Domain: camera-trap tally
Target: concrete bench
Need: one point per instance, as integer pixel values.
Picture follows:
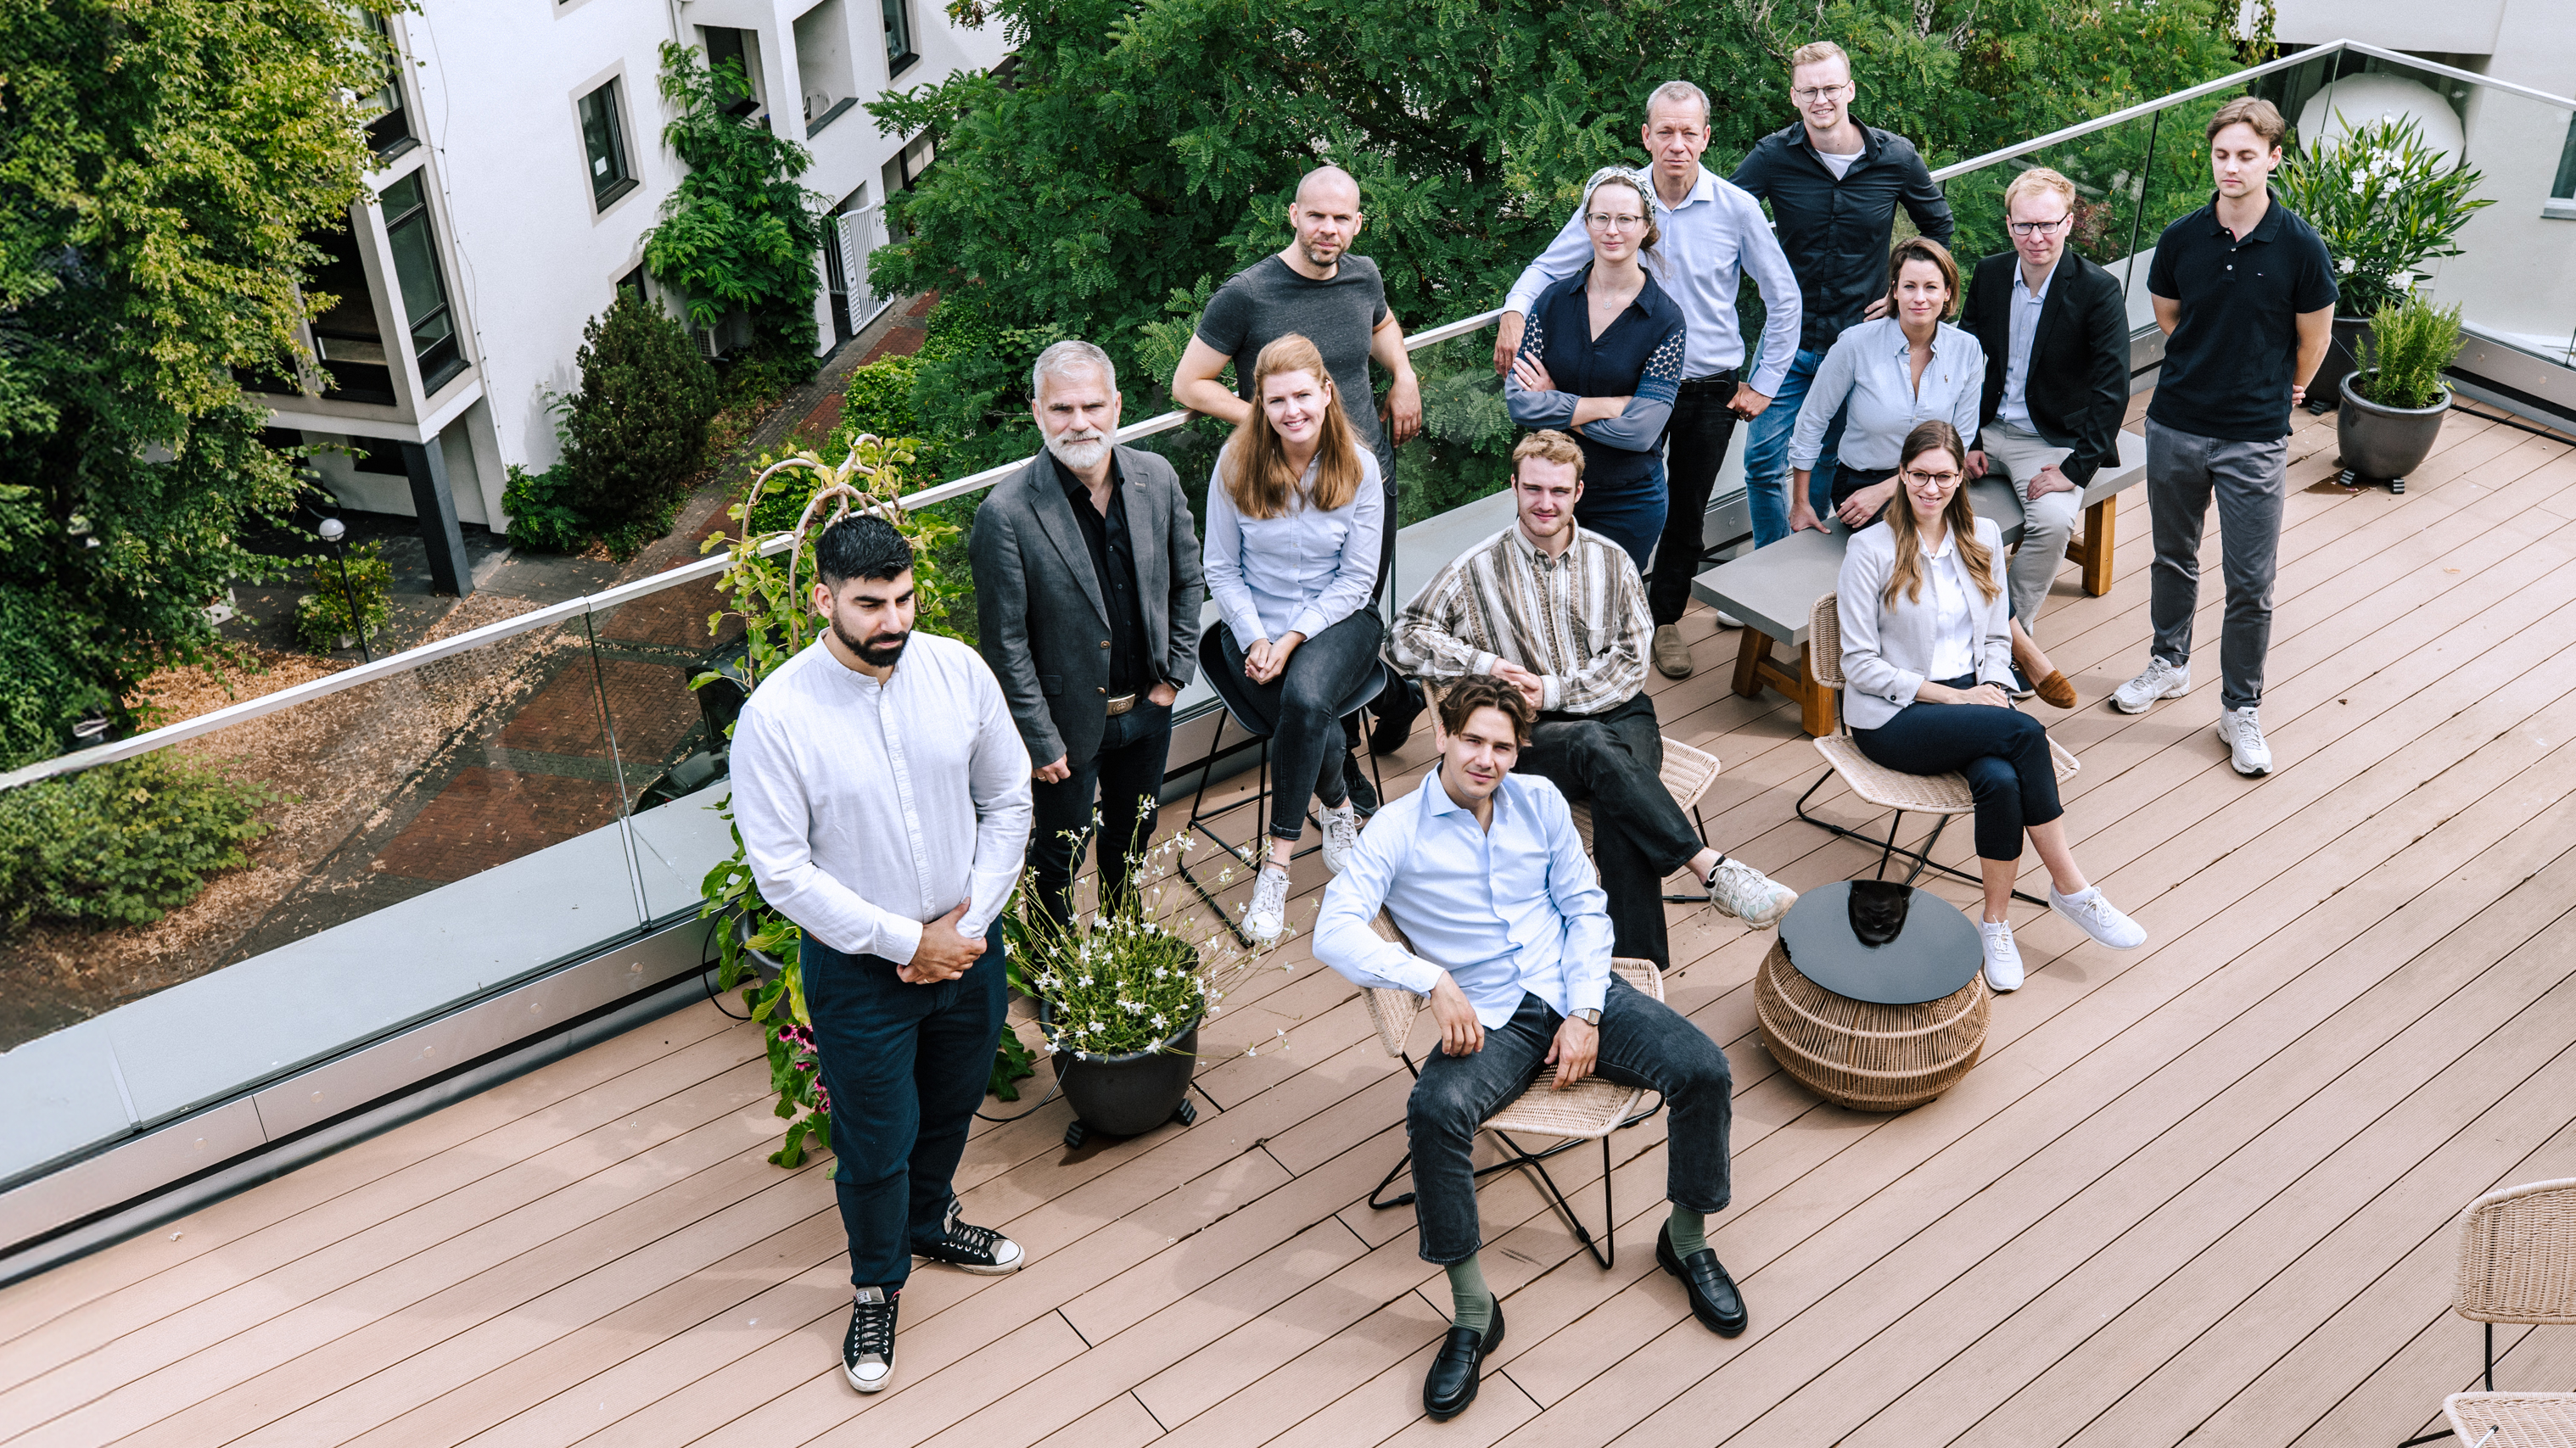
(1773, 589)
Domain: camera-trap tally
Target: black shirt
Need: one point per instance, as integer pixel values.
(2228, 363)
(1836, 231)
(1113, 563)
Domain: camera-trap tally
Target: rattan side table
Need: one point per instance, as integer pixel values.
(1886, 1028)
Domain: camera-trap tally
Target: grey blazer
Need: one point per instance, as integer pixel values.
(1040, 614)
(1887, 647)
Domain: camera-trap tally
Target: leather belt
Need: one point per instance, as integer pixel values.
(1121, 705)
(1714, 382)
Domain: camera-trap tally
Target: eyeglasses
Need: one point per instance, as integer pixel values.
(2039, 228)
(1808, 95)
(1604, 221)
(1931, 480)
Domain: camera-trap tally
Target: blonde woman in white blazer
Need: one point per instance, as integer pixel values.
(1926, 660)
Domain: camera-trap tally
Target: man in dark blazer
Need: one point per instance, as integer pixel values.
(1087, 594)
(2056, 332)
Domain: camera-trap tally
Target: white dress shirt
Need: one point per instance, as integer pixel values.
(2026, 307)
(868, 810)
(1871, 367)
(1954, 625)
(1301, 572)
(1715, 235)
(1517, 909)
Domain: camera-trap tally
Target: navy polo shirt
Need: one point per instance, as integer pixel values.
(2228, 364)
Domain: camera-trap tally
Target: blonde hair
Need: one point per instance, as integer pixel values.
(1959, 515)
(1548, 446)
(2035, 180)
(1255, 463)
(2262, 115)
(1924, 248)
(1817, 52)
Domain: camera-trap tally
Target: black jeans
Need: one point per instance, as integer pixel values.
(1643, 1043)
(1615, 759)
(1127, 774)
(2002, 752)
(1301, 710)
(1696, 443)
(906, 1066)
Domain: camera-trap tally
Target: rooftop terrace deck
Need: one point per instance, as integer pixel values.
(2202, 1191)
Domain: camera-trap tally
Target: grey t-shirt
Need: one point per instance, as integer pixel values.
(1268, 299)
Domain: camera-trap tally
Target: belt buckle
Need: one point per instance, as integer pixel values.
(1121, 705)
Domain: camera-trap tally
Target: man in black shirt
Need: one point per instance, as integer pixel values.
(1087, 594)
(2245, 293)
(1834, 186)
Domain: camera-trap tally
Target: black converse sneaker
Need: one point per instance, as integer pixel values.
(974, 1249)
(867, 1354)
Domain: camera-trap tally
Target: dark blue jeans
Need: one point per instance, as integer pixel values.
(1126, 775)
(906, 1066)
(1767, 475)
(2002, 752)
(1643, 1043)
(1630, 514)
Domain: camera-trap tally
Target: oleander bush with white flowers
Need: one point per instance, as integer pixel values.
(2384, 203)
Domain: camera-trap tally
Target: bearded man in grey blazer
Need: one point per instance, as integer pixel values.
(1087, 596)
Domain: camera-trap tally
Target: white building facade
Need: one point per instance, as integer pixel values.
(519, 168)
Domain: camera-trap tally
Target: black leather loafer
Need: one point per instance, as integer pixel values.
(1460, 1368)
(1713, 1298)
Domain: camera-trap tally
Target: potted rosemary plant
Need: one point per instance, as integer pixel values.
(2393, 406)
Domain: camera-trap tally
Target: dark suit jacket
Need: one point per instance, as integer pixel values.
(1039, 609)
(2079, 358)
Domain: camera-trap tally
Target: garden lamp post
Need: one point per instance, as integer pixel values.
(332, 531)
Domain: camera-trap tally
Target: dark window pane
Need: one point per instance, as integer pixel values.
(424, 290)
(2566, 185)
(898, 31)
(604, 139)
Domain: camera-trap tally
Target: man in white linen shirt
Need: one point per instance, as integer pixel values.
(1484, 874)
(1714, 232)
(882, 793)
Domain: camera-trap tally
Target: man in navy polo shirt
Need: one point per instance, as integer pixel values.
(2245, 293)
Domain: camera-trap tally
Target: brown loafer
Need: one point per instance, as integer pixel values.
(2056, 690)
(1672, 656)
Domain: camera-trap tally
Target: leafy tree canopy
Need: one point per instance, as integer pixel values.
(1140, 153)
(163, 164)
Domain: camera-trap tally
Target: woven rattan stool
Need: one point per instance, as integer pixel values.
(2513, 1420)
(1887, 1027)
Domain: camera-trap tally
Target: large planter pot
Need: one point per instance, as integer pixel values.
(2343, 355)
(764, 967)
(1127, 1095)
(2384, 444)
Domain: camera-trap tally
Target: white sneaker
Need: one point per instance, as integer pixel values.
(2099, 919)
(1749, 895)
(2160, 681)
(2241, 730)
(1341, 834)
(2003, 958)
(1268, 914)
(1728, 620)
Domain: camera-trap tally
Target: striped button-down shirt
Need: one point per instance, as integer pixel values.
(1578, 620)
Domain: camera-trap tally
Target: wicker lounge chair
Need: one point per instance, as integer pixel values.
(2517, 1265)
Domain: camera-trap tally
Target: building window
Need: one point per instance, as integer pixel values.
(348, 340)
(2562, 192)
(634, 283)
(603, 138)
(414, 241)
(898, 31)
(740, 48)
(388, 121)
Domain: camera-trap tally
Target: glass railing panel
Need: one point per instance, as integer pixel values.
(1465, 447)
(2513, 279)
(669, 739)
(2116, 189)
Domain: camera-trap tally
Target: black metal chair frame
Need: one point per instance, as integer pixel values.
(1202, 818)
(1888, 849)
(2490, 1382)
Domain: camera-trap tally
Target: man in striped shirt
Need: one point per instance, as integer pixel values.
(1559, 613)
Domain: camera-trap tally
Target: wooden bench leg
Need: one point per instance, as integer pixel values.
(1750, 652)
(1815, 701)
(1754, 668)
(2093, 551)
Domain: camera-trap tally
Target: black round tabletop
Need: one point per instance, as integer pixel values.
(1936, 953)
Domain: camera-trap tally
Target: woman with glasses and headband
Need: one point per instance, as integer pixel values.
(1926, 654)
(1601, 358)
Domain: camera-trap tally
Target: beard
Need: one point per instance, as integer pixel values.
(879, 652)
(1079, 452)
(1321, 253)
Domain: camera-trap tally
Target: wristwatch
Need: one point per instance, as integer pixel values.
(1589, 1018)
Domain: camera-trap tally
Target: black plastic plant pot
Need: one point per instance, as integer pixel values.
(2383, 444)
(764, 966)
(1131, 1094)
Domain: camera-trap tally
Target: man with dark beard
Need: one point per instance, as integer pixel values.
(1087, 594)
(883, 801)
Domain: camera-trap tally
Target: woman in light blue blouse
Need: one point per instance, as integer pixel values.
(1907, 367)
(1294, 518)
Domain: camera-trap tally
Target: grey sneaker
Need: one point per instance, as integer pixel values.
(2242, 731)
(2100, 920)
(1341, 834)
(1749, 895)
(2003, 958)
(867, 1354)
(2161, 681)
(1268, 913)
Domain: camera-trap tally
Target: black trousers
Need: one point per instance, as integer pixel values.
(2003, 753)
(1615, 759)
(1126, 775)
(1702, 426)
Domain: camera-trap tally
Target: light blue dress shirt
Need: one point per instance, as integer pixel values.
(1869, 367)
(1301, 572)
(1717, 234)
(2026, 307)
(1511, 910)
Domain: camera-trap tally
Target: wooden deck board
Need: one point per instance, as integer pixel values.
(2201, 1190)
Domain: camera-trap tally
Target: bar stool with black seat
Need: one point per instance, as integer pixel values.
(1229, 687)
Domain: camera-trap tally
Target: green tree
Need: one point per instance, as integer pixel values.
(738, 232)
(636, 432)
(163, 164)
(1140, 153)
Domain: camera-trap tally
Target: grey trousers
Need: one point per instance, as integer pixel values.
(2250, 481)
(2046, 523)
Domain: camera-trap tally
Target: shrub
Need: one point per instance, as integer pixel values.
(542, 517)
(2410, 342)
(122, 843)
(2383, 203)
(322, 617)
(738, 232)
(636, 432)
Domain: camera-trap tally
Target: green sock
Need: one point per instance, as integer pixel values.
(1474, 1303)
(1690, 1232)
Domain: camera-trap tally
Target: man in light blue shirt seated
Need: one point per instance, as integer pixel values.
(1484, 871)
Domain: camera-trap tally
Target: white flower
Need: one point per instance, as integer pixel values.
(2346, 264)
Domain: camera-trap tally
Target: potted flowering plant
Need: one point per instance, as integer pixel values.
(1122, 993)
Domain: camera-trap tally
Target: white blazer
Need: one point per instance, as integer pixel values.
(1888, 647)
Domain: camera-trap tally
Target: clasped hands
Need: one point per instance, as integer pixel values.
(1265, 660)
(943, 953)
(1574, 1052)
